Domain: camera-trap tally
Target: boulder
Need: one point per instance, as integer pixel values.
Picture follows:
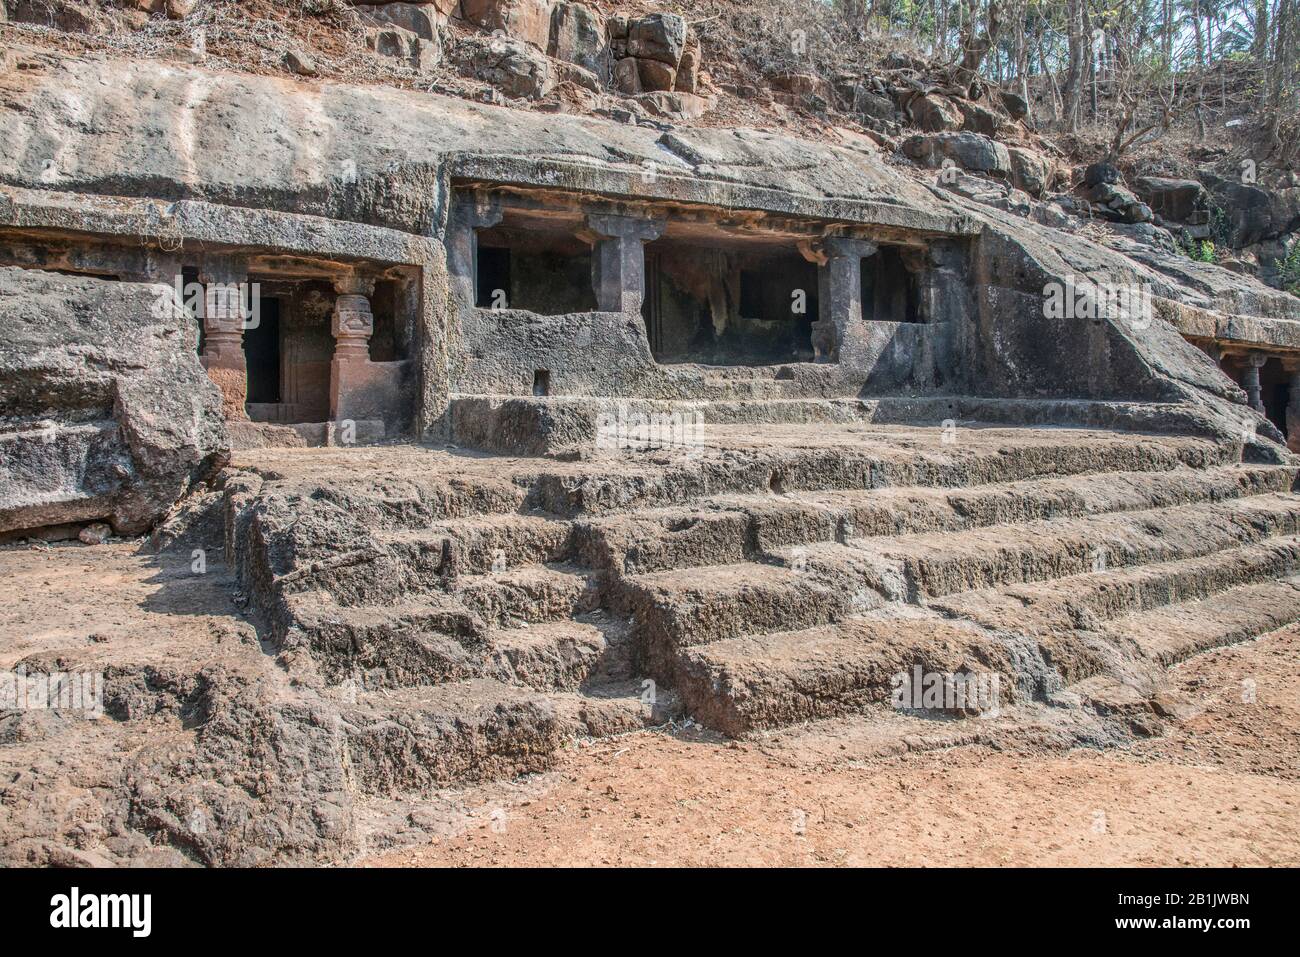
(300, 62)
(418, 54)
(980, 119)
(512, 66)
(1015, 104)
(578, 36)
(660, 36)
(627, 76)
(1254, 213)
(801, 84)
(970, 151)
(1099, 173)
(935, 114)
(688, 71)
(656, 76)
(872, 104)
(678, 107)
(105, 413)
(1116, 202)
(525, 20)
(422, 19)
(1177, 200)
(1030, 170)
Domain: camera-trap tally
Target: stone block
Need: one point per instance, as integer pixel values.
(660, 36)
(656, 76)
(578, 37)
(525, 20)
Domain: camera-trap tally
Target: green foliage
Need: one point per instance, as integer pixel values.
(1289, 269)
(1201, 251)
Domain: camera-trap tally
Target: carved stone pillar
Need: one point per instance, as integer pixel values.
(618, 259)
(839, 284)
(1250, 380)
(469, 214)
(352, 325)
(225, 316)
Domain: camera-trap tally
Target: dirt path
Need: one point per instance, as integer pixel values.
(1221, 787)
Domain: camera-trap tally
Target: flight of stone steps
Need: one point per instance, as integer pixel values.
(474, 614)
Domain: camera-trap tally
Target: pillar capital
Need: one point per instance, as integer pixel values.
(225, 305)
(354, 284)
(223, 268)
(615, 226)
(476, 210)
(811, 250)
(618, 259)
(844, 246)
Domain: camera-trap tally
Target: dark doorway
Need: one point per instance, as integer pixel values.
(493, 278)
(1274, 391)
(262, 353)
(889, 288)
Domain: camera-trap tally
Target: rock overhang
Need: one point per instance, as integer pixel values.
(381, 155)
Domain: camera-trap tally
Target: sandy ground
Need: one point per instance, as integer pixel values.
(1220, 787)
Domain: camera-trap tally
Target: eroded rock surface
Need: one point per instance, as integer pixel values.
(105, 413)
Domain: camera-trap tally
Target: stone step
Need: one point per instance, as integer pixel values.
(932, 565)
(397, 644)
(616, 707)
(521, 425)
(1086, 602)
(730, 463)
(730, 529)
(529, 593)
(410, 740)
(762, 681)
(824, 582)
(740, 685)
(562, 655)
(677, 609)
(416, 739)
(1173, 633)
(480, 544)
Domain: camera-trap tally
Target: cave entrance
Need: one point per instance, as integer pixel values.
(289, 352)
(720, 304)
(535, 266)
(1275, 391)
(262, 353)
(890, 289)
